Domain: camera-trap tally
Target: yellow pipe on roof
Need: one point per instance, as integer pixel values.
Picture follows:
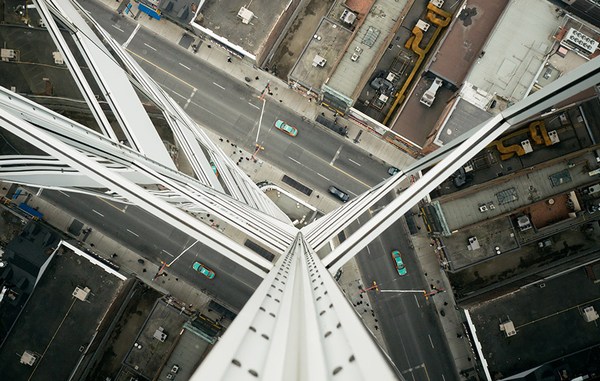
(414, 42)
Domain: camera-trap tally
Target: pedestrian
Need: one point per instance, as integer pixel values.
(256, 78)
(229, 59)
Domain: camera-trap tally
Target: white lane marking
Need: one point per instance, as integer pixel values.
(132, 233)
(64, 194)
(294, 160)
(336, 155)
(185, 66)
(168, 253)
(190, 98)
(323, 176)
(417, 301)
(431, 341)
(216, 84)
(97, 212)
(179, 95)
(253, 105)
(117, 28)
(355, 162)
(150, 46)
(126, 43)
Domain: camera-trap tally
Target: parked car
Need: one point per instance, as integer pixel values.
(393, 170)
(337, 192)
(399, 263)
(284, 127)
(204, 271)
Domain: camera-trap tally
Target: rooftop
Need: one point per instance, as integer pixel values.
(515, 49)
(462, 44)
(549, 323)
(366, 47)
(247, 25)
(55, 326)
(320, 55)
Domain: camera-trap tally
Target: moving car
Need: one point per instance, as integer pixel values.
(399, 263)
(284, 127)
(339, 193)
(203, 270)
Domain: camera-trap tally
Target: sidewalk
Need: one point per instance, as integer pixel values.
(450, 317)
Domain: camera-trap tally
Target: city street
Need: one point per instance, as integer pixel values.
(231, 109)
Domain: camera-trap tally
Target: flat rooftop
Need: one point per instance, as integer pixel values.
(328, 44)
(56, 326)
(149, 356)
(379, 22)
(507, 194)
(548, 321)
(464, 116)
(221, 18)
(515, 50)
(463, 42)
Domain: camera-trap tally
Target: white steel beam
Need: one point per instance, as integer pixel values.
(297, 326)
(131, 191)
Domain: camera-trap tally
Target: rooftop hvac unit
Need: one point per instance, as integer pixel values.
(553, 135)
(437, 3)
(473, 243)
(160, 334)
(81, 294)
(581, 40)
(58, 58)
(383, 98)
(246, 15)
(28, 358)
(348, 17)
(526, 144)
(319, 61)
(508, 328)
(422, 25)
(590, 314)
(7, 54)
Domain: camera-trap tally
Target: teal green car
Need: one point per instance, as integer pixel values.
(399, 263)
(284, 127)
(203, 270)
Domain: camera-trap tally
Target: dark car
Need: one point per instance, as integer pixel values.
(339, 193)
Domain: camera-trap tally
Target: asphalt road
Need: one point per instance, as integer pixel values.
(316, 157)
(156, 241)
(408, 321)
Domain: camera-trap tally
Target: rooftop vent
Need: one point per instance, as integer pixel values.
(590, 314)
(319, 61)
(8, 54)
(422, 25)
(348, 17)
(81, 294)
(581, 40)
(160, 334)
(28, 358)
(246, 15)
(58, 58)
(508, 328)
